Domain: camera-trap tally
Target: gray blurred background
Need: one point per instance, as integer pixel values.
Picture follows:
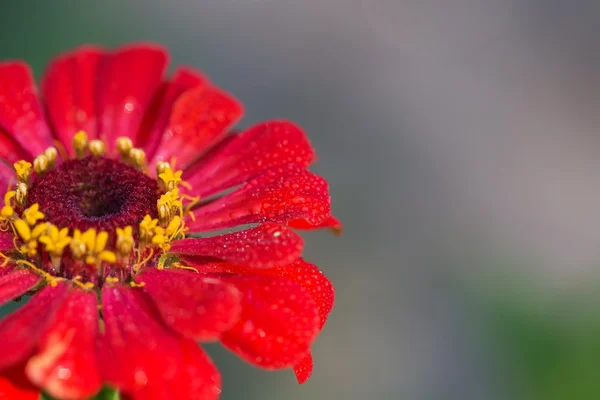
(461, 142)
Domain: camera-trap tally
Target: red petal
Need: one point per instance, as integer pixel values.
(277, 195)
(127, 80)
(142, 358)
(279, 321)
(7, 269)
(10, 152)
(157, 116)
(15, 283)
(262, 247)
(7, 177)
(192, 304)
(21, 114)
(20, 330)
(197, 378)
(15, 385)
(313, 281)
(263, 146)
(6, 242)
(301, 272)
(137, 350)
(332, 223)
(303, 369)
(65, 364)
(69, 88)
(200, 117)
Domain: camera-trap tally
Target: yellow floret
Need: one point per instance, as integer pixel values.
(125, 241)
(23, 169)
(33, 214)
(55, 240)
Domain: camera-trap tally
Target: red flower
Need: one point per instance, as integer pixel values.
(95, 209)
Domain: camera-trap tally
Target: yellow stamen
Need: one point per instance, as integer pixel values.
(84, 285)
(41, 164)
(138, 158)
(8, 212)
(124, 145)
(80, 142)
(51, 153)
(97, 148)
(6, 259)
(52, 280)
(21, 194)
(136, 267)
(171, 179)
(92, 245)
(23, 169)
(33, 214)
(168, 205)
(186, 267)
(23, 229)
(147, 227)
(163, 236)
(111, 279)
(77, 245)
(55, 240)
(29, 236)
(125, 241)
(161, 166)
(164, 213)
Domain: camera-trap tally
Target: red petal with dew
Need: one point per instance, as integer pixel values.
(312, 280)
(136, 348)
(15, 283)
(332, 223)
(277, 195)
(65, 363)
(158, 113)
(20, 330)
(278, 323)
(191, 304)
(200, 117)
(262, 247)
(127, 81)
(15, 385)
(7, 269)
(263, 146)
(197, 378)
(21, 114)
(69, 89)
(303, 370)
(301, 272)
(141, 357)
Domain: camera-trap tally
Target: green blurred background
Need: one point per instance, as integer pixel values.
(462, 146)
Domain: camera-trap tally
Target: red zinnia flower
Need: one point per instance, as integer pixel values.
(123, 283)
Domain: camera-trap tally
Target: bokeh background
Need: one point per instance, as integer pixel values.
(462, 142)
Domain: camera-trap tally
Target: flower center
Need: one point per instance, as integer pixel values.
(95, 192)
(95, 218)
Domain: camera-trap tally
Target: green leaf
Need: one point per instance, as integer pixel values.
(105, 394)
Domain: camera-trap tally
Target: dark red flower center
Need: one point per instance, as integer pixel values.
(95, 192)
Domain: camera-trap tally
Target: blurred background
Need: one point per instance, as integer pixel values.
(462, 144)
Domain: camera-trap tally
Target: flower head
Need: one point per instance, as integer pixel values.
(115, 181)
